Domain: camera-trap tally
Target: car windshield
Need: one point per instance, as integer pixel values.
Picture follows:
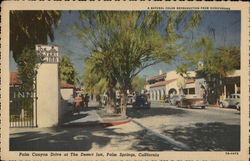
(140, 97)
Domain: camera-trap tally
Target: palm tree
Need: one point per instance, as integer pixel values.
(28, 28)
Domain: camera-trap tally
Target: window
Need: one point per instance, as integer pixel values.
(191, 91)
(188, 91)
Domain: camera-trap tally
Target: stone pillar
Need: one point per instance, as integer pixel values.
(48, 87)
(158, 95)
(235, 88)
(225, 91)
(151, 95)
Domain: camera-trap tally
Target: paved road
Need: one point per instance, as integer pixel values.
(199, 129)
(161, 128)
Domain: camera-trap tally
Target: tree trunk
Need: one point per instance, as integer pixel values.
(111, 104)
(123, 104)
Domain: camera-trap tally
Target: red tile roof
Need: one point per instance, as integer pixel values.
(14, 78)
(162, 83)
(190, 81)
(66, 85)
(157, 77)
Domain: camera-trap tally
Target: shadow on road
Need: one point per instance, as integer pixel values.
(150, 142)
(203, 137)
(79, 139)
(155, 111)
(208, 137)
(57, 139)
(70, 117)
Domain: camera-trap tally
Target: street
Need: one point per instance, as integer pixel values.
(160, 128)
(199, 129)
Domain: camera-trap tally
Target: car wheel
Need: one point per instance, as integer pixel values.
(221, 105)
(203, 107)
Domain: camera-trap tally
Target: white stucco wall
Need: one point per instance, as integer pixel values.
(172, 75)
(172, 85)
(66, 93)
(48, 95)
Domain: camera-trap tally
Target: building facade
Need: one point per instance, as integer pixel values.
(172, 83)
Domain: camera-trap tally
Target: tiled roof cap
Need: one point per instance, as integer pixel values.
(157, 77)
(14, 78)
(66, 85)
(162, 83)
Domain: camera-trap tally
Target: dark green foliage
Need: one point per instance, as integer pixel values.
(27, 66)
(138, 84)
(28, 28)
(210, 62)
(67, 71)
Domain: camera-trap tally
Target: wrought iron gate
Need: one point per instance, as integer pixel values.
(23, 106)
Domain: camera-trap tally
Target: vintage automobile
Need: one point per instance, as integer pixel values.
(233, 101)
(192, 102)
(141, 101)
(238, 106)
(175, 99)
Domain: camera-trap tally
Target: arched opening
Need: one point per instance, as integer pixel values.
(172, 92)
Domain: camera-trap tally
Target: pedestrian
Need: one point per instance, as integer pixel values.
(86, 100)
(78, 101)
(82, 102)
(98, 99)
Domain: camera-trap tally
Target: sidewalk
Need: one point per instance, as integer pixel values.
(93, 117)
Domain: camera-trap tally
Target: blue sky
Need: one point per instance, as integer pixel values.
(223, 26)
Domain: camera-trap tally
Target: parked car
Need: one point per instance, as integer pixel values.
(238, 106)
(130, 99)
(174, 100)
(192, 102)
(141, 101)
(233, 101)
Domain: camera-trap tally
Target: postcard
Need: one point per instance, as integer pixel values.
(125, 80)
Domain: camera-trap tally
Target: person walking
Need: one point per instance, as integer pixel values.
(98, 99)
(82, 102)
(78, 101)
(86, 100)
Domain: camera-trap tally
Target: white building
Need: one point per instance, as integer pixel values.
(67, 90)
(167, 84)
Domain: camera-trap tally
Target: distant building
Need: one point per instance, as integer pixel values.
(67, 90)
(166, 84)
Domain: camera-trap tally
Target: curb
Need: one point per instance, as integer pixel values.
(214, 106)
(114, 123)
(98, 124)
